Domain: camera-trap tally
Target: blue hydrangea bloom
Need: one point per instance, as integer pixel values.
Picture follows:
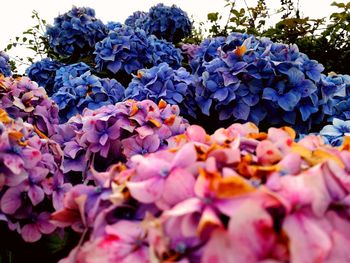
(163, 82)
(136, 19)
(43, 72)
(164, 51)
(65, 73)
(5, 67)
(170, 23)
(339, 104)
(248, 79)
(334, 134)
(207, 51)
(76, 32)
(86, 91)
(124, 49)
(113, 25)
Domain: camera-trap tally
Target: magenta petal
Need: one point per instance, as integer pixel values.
(32, 157)
(220, 250)
(147, 191)
(43, 223)
(11, 200)
(307, 238)
(141, 255)
(127, 231)
(36, 194)
(31, 233)
(13, 162)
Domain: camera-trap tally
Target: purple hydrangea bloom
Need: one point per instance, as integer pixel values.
(86, 91)
(124, 49)
(5, 67)
(76, 32)
(169, 23)
(43, 72)
(163, 83)
(28, 165)
(116, 132)
(23, 98)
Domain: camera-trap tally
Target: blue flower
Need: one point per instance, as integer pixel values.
(207, 51)
(5, 67)
(336, 90)
(334, 134)
(163, 82)
(65, 73)
(164, 51)
(124, 49)
(43, 72)
(113, 26)
(169, 23)
(243, 78)
(86, 91)
(136, 19)
(76, 32)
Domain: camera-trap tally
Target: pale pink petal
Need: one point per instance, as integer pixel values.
(188, 206)
(147, 191)
(179, 185)
(196, 133)
(185, 157)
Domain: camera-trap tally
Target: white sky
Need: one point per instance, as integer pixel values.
(16, 14)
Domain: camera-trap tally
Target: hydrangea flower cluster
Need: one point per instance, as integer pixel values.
(43, 72)
(23, 98)
(76, 32)
(114, 133)
(5, 67)
(136, 19)
(239, 195)
(84, 91)
(205, 52)
(335, 132)
(68, 72)
(124, 49)
(164, 51)
(31, 180)
(169, 23)
(163, 83)
(254, 79)
(340, 103)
